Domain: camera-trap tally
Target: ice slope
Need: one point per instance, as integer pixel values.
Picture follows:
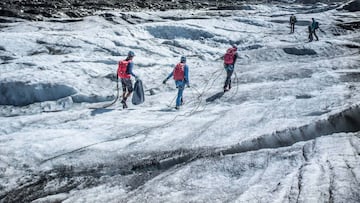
(288, 131)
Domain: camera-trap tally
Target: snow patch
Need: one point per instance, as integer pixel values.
(253, 22)
(346, 121)
(299, 52)
(79, 98)
(353, 6)
(173, 32)
(22, 93)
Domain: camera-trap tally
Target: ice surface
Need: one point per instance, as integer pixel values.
(287, 131)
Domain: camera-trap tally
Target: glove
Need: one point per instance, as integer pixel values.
(137, 78)
(188, 86)
(164, 82)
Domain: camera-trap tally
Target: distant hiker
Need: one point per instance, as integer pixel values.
(125, 72)
(314, 27)
(181, 76)
(229, 64)
(292, 23)
(310, 33)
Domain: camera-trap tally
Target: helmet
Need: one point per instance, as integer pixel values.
(131, 53)
(234, 46)
(183, 59)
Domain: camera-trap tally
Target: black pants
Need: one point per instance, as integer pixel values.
(314, 33)
(127, 88)
(292, 25)
(228, 78)
(229, 71)
(126, 84)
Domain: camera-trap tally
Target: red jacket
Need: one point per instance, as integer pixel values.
(122, 69)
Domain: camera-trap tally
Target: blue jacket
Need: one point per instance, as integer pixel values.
(130, 68)
(313, 25)
(186, 76)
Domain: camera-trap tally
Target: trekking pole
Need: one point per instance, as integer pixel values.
(237, 86)
(172, 100)
(198, 92)
(194, 95)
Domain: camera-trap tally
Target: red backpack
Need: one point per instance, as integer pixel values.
(230, 56)
(122, 69)
(179, 71)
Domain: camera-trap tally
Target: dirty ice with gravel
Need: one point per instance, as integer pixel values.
(287, 131)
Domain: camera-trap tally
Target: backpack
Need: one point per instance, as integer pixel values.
(122, 69)
(316, 25)
(229, 56)
(293, 19)
(138, 96)
(179, 71)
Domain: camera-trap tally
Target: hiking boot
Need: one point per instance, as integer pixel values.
(124, 104)
(226, 89)
(177, 107)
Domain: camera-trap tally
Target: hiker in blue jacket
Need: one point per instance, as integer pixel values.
(181, 76)
(314, 27)
(310, 33)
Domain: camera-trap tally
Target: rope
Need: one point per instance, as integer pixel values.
(172, 101)
(205, 90)
(186, 114)
(237, 86)
(109, 140)
(113, 102)
(201, 94)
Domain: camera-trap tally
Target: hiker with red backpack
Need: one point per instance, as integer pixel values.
(229, 64)
(181, 76)
(124, 72)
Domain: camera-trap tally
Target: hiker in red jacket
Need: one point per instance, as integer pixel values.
(124, 72)
(181, 78)
(229, 64)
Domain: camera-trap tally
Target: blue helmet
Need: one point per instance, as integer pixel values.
(183, 59)
(131, 53)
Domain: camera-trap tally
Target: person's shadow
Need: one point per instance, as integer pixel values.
(215, 96)
(100, 111)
